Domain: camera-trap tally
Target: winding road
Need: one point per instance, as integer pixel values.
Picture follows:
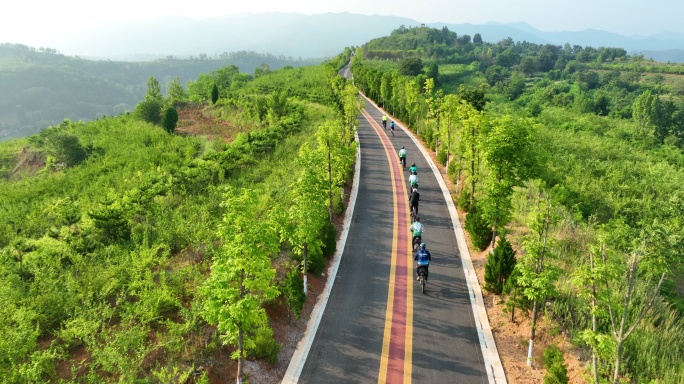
(377, 327)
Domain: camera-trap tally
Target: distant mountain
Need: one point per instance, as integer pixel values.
(314, 36)
(41, 88)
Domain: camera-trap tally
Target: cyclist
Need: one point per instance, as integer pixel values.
(417, 229)
(384, 121)
(414, 198)
(413, 168)
(392, 128)
(423, 259)
(413, 180)
(402, 156)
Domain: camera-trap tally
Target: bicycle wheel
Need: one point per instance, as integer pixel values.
(422, 283)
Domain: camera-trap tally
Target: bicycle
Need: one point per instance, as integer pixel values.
(422, 279)
(402, 160)
(414, 213)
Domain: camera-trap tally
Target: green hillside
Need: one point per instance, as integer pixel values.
(117, 238)
(43, 87)
(569, 152)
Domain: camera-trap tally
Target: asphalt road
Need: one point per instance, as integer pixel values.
(377, 326)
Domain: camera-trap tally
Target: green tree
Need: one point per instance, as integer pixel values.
(412, 92)
(472, 124)
(63, 146)
(536, 277)
(338, 157)
(175, 91)
(214, 94)
(509, 157)
(154, 90)
(242, 276)
(479, 229)
(149, 111)
(308, 212)
(500, 265)
(170, 119)
(645, 112)
(411, 66)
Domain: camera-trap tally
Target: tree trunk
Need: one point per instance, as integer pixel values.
(240, 335)
(620, 335)
(594, 323)
(535, 310)
(305, 275)
(330, 203)
(491, 246)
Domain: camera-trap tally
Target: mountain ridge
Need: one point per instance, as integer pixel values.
(290, 34)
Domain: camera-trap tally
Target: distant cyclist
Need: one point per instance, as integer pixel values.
(423, 258)
(413, 168)
(402, 157)
(384, 121)
(392, 128)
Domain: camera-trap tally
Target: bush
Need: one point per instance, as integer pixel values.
(170, 119)
(442, 156)
(292, 288)
(480, 231)
(264, 345)
(150, 111)
(329, 239)
(556, 371)
(499, 266)
(464, 201)
(315, 262)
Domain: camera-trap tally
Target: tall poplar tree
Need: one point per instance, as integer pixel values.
(242, 275)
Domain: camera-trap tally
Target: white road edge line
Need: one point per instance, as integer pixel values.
(490, 353)
(294, 370)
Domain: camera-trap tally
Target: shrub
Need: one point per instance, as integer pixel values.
(499, 266)
(556, 371)
(329, 239)
(264, 345)
(442, 156)
(480, 231)
(315, 262)
(150, 111)
(170, 119)
(292, 288)
(464, 201)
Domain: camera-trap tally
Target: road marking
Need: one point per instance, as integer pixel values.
(396, 361)
(490, 354)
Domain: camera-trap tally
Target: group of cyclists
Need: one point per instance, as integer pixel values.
(384, 124)
(422, 255)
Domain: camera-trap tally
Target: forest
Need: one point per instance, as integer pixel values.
(568, 161)
(42, 87)
(123, 239)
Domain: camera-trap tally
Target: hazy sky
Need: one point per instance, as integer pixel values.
(42, 22)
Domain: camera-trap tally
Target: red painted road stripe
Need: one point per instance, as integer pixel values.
(400, 314)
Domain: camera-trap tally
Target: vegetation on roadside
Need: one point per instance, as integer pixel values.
(121, 250)
(577, 153)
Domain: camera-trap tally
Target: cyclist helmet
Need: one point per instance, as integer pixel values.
(413, 164)
(422, 245)
(413, 173)
(402, 147)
